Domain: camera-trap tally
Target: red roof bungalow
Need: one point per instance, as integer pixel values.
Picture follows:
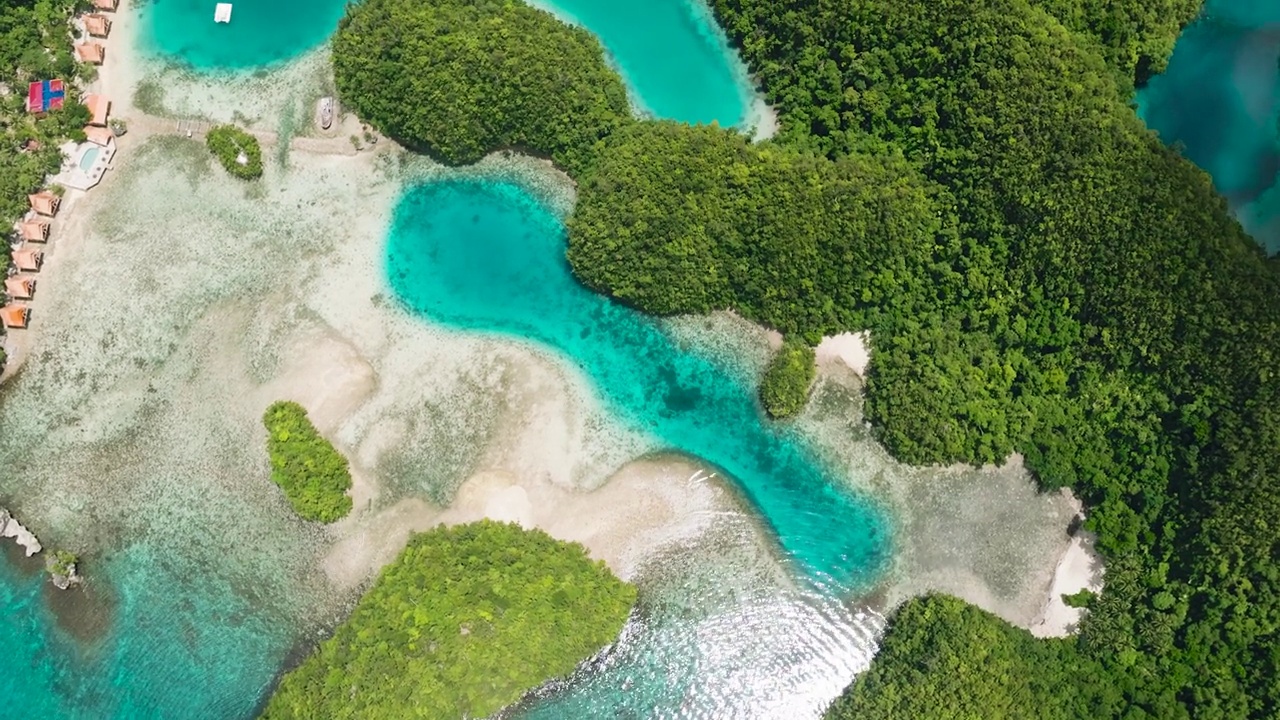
(35, 230)
(97, 25)
(45, 203)
(28, 259)
(20, 287)
(91, 52)
(98, 106)
(15, 316)
(105, 5)
(98, 135)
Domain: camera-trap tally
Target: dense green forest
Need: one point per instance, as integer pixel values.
(308, 468)
(460, 78)
(1115, 324)
(463, 623)
(1040, 274)
(784, 389)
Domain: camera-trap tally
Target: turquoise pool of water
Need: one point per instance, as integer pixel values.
(487, 256)
(1220, 99)
(88, 158)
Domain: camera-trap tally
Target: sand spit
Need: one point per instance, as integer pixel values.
(1079, 568)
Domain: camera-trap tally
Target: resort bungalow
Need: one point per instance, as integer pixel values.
(97, 25)
(90, 52)
(98, 106)
(28, 259)
(20, 287)
(98, 135)
(34, 230)
(15, 316)
(109, 5)
(45, 203)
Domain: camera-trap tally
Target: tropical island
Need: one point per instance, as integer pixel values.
(464, 621)
(1043, 281)
(1006, 275)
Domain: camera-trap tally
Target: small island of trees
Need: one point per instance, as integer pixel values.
(464, 622)
(237, 151)
(308, 468)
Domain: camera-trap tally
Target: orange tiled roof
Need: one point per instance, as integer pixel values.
(15, 316)
(99, 135)
(105, 4)
(20, 287)
(28, 259)
(98, 106)
(35, 230)
(97, 25)
(90, 52)
(45, 203)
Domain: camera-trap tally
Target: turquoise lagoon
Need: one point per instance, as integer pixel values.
(671, 53)
(1220, 99)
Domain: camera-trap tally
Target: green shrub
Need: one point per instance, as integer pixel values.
(231, 146)
(312, 473)
(465, 621)
(1080, 599)
(785, 387)
(461, 78)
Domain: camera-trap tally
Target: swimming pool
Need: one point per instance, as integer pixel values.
(88, 158)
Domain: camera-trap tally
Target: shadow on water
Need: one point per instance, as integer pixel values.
(487, 256)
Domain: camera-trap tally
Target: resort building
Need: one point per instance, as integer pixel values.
(45, 203)
(90, 52)
(109, 5)
(15, 316)
(20, 287)
(34, 230)
(45, 95)
(28, 259)
(98, 106)
(97, 25)
(98, 135)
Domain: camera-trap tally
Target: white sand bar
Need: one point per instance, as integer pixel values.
(852, 349)
(1079, 568)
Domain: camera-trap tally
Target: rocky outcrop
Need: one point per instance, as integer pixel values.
(62, 569)
(11, 528)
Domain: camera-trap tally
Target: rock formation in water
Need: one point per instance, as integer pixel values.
(62, 567)
(10, 527)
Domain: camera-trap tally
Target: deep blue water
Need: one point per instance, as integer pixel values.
(1220, 99)
(487, 256)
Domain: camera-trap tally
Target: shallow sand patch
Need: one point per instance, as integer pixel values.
(1079, 568)
(852, 349)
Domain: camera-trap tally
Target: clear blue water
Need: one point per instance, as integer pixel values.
(1220, 99)
(88, 158)
(487, 256)
(671, 53)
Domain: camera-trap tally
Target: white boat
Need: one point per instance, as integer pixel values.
(326, 112)
(222, 13)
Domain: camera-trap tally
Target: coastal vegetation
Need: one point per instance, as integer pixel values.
(458, 79)
(785, 387)
(966, 179)
(237, 150)
(465, 621)
(308, 468)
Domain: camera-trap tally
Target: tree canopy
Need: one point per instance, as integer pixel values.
(461, 78)
(308, 468)
(465, 621)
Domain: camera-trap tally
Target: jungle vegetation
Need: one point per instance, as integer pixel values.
(312, 473)
(1041, 275)
(461, 78)
(784, 390)
(229, 144)
(464, 622)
